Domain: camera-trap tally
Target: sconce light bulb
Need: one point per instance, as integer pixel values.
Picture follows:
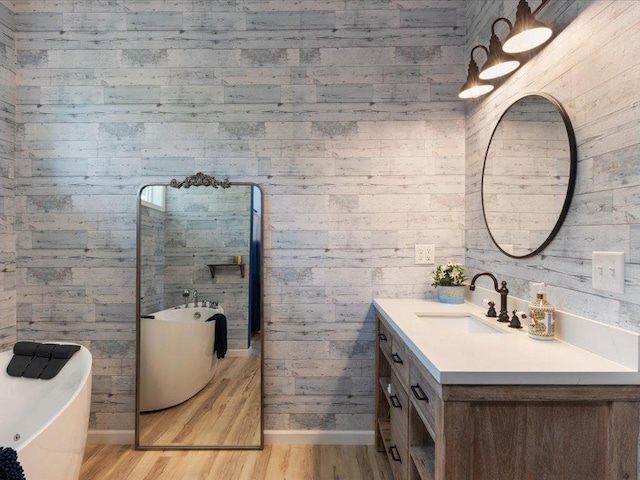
(527, 40)
(475, 92)
(499, 70)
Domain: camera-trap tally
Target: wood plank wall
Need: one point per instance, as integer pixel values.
(7, 204)
(190, 244)
(592, 68)
(346, 111)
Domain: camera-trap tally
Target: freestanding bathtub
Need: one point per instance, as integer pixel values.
(46, 421)
(176, 355)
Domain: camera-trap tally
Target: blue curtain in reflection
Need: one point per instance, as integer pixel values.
(255, 254)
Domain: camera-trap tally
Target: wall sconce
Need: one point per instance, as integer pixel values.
(526, 34)
(475, 86)
(498, 62)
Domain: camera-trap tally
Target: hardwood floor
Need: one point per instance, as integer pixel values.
(225, 412)
(275, 462)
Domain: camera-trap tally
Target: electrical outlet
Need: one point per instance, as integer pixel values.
(425, 254)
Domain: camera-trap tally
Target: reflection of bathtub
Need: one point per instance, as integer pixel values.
(176, 355)
(46, 421)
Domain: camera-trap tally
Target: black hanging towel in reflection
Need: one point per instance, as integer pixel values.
(220, 342)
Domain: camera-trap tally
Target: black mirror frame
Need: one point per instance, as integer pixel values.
(573, 153)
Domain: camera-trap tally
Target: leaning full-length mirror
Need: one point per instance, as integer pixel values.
(529, 175)
(199, 311)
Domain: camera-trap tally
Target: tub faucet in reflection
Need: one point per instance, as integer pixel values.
(503, 291)
(185, 295)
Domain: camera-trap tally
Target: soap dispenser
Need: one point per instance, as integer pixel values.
(542, 325)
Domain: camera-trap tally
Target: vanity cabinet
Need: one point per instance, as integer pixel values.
(432, 431)
(406, 405)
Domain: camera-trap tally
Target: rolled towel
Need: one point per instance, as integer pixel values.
(10, 468)
(64, 351)
(40, 361)
(23, 355)
(25, 348)
(59, 358)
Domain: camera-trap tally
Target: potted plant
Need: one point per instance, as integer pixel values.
(448, 280)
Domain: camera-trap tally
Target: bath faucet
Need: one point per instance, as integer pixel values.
(195, 296)
(503, 316)
(185, 295)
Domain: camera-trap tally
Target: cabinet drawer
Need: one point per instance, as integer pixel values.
(423, 396)
(400, 360)
(399, 408)
(384, 338)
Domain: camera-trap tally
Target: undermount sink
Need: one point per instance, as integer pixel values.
(458, 323)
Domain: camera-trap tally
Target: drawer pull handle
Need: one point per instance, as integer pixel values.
(396, 358)
(382, 337)
(393, 450)
(395, 402)
(419, 393)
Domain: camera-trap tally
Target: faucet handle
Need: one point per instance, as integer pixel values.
(515, 320)
(492, 308)
(185, 293)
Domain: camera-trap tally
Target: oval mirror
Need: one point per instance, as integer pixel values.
(528, 175)
(199, 340)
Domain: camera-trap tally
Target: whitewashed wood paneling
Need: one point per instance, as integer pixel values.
(591, 67)
(344, 110)
(7, 168)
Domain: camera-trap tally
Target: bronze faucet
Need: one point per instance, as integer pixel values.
(503, 316)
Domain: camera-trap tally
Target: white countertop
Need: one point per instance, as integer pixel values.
(509, 357)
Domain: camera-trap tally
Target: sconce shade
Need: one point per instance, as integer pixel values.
(527, 33)
(498, 62)
(474, 86)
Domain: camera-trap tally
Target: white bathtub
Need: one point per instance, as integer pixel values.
(176, 356)
(46, 421)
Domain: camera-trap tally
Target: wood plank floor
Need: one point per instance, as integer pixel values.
(225, 412)
(275, 462)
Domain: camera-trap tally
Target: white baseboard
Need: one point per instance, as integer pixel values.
(319, 437)
(238, 352)
(271, 437)
(111, 437)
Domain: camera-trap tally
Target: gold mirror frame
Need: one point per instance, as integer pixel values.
(199, 180)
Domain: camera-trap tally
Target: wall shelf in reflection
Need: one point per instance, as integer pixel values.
(212, 267)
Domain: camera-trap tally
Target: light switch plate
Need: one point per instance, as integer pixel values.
(608, 271)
